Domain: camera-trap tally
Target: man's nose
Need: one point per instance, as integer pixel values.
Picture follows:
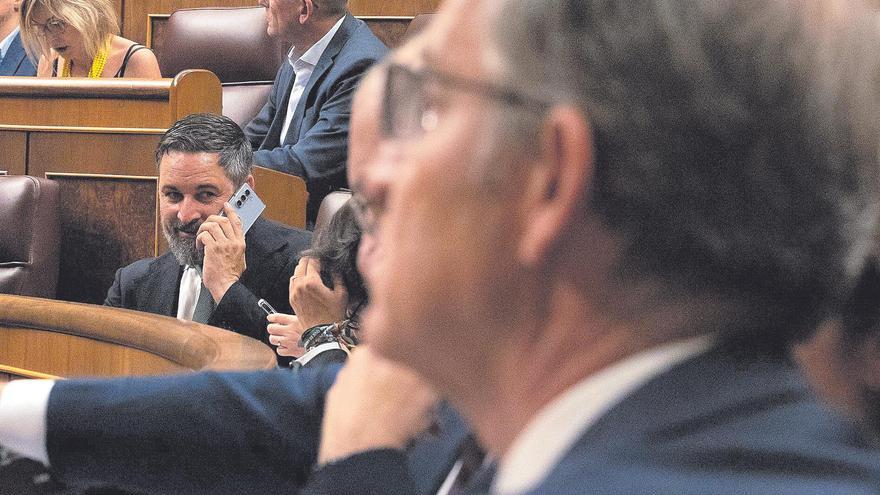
(188, 210)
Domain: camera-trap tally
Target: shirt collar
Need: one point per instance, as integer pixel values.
(313, 54)
(7, 41)
(552, 432)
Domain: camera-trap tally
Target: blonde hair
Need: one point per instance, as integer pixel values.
(95, 20)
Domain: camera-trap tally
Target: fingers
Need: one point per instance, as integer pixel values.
(313, 266)
(301, 267)
(374, 403)
(284, 332)
(234, 221)
(222, 228)
(282, 324)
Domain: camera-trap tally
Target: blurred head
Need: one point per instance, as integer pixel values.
(8, 12)
(718, 156)
(202, 159)
(74, 29)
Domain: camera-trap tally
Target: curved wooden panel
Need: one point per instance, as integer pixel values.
(274, 184)
(45, 337)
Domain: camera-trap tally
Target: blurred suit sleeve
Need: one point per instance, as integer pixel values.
(205, 433)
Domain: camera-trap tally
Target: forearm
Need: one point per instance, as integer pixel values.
(205, 433)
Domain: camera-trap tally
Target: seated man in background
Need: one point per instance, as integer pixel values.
(303, 129)
(13, 58)
(212, 272)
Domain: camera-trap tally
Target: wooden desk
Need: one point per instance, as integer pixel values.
(42, 338)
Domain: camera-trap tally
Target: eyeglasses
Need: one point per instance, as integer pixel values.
(409, 108)
(52, 26)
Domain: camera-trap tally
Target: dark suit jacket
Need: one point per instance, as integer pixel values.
(317, 143)
(213, 433)
(711, 425)
(721, 426)
(153, 285)
(16, 62)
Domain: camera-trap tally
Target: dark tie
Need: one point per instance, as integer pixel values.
(204, 306)
(481, 483)
(475, 475)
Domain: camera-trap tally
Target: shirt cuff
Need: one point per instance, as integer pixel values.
(23, 406)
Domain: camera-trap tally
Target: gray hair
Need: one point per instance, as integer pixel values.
(735, 141)
(205, 132)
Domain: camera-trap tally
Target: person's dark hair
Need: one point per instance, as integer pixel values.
(206, 132)
(735, 141)
(335, 246)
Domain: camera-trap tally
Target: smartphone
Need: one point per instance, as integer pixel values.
(247, 205)
(265, 306)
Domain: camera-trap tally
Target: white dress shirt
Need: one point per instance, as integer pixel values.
(190, 289)
(303, 68)
(7, 41)
(23, 408)
(555, 429)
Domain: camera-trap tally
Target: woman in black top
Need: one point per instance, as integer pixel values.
(76, 38)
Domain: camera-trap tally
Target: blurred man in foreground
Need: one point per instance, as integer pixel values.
(597, 231)
(633, 210)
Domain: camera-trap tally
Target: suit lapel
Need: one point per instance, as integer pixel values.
(161, 289)
(285, 84)
(695, 394)
(349, 24)
(431, 458)
(261, 242)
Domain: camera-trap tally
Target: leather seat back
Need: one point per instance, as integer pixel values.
(29, 236)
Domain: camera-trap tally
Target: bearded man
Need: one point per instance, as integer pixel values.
(212, 273)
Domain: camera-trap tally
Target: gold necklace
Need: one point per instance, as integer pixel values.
(98, 63)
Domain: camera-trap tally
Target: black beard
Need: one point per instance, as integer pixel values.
(183, 248)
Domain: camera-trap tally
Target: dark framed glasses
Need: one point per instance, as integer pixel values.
(407, 107)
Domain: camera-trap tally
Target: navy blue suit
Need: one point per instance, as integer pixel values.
(720, 426)
(710, 425)
(316, 145)
(16, 62)
(153, 285)
(213, 433)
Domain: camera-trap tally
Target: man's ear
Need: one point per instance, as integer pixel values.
(306, 11)
(250, 182)
(556, 185)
